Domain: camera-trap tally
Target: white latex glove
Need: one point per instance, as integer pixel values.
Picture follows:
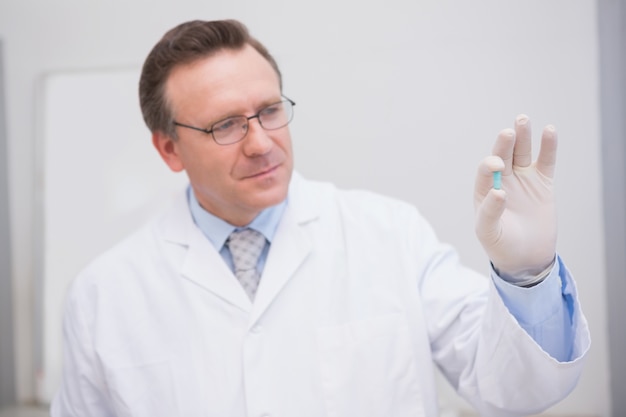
(517, 224)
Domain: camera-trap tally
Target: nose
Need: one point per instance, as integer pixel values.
(257, 141)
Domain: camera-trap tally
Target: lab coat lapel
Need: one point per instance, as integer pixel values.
(201, 263)
(204, 266)
(290, 247)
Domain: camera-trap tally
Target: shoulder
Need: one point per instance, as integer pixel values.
(355, 205)
(121, 257)
(134, 256)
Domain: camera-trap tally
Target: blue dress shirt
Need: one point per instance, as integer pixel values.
(218, 230)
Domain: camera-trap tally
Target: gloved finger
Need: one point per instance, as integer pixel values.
(503, 148)
(546, 160)
(488, 224)
(484, 176)
(522, 153)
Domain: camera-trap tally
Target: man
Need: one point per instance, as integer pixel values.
(351, 302)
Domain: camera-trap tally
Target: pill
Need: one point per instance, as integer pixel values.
(497, 180)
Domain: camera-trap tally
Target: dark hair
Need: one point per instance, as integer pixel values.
(184, 44)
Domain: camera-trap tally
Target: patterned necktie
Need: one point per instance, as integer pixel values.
(245, 247)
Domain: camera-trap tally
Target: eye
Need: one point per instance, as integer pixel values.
(225, 125)
(273, 109)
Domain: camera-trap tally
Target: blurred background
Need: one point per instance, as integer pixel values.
(400, 97)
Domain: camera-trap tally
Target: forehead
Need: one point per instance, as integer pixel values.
(227, 79)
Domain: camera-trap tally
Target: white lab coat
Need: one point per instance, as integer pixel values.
(356, 302)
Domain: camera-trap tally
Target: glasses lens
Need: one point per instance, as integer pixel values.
(276, 115)
(230, 130)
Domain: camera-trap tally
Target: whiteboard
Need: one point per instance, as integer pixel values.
(100, 178)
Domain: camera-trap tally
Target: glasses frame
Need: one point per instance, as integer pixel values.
(248, 118)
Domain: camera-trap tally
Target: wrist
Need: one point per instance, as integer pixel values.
(526, 278)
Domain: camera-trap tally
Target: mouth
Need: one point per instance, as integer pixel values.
(263, 173)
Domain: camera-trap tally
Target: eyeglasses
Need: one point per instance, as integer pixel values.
(234, 129)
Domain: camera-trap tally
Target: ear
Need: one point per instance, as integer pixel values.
(168, 149)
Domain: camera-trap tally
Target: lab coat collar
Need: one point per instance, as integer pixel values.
(201, 263)
(204, 266)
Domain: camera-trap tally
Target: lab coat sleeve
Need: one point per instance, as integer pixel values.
(82, 392)
(480, 346)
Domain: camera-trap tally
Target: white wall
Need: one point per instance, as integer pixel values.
(398, 96)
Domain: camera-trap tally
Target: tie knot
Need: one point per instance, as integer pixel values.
(245, 247)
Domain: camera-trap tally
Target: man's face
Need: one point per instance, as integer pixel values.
(234, 182)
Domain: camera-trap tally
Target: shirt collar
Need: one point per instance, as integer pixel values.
(218, 230)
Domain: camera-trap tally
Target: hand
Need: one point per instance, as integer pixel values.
(517, 224)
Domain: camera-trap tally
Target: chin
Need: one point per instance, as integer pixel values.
(270, 196)
(269, 191)
(273, 198)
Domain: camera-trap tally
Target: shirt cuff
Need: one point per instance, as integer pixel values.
(534, 304)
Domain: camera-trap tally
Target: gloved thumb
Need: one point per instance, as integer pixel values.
(484, 177)
(488, 218)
